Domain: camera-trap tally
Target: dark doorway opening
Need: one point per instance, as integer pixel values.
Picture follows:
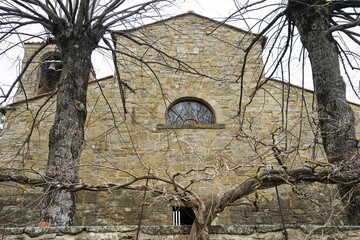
(183, 216)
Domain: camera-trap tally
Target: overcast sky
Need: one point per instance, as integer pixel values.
(219, 10)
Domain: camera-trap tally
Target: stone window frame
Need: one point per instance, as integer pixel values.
(214, 125)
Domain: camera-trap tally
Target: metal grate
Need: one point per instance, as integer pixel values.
(182, 216)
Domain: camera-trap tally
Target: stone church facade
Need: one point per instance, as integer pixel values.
(182, 85)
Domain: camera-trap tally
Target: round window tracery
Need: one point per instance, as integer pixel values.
(190, 112)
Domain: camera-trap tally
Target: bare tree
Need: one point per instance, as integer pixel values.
(336, 117)
(325, 31)
(76, 27)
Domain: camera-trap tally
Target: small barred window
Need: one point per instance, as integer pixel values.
(182, 216)
(190, 112)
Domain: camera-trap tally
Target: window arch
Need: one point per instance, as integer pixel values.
(50, 72)
(190, 111)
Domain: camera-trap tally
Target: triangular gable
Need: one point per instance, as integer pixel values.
(216, 23)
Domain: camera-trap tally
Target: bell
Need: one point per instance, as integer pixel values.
(52, 66)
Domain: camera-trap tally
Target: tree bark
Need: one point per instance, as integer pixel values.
(199, 231)
(67, 133)
(336, 118)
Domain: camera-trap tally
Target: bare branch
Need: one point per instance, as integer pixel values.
(343, 27)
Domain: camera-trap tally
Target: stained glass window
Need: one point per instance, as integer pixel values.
(190, 112)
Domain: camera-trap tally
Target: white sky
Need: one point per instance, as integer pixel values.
(216, 9)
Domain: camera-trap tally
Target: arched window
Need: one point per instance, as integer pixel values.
(190, 112)
(50, 72)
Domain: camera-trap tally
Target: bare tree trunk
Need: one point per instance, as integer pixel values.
(199, 231)
(67, 133)
(336, 117)
(205, 214)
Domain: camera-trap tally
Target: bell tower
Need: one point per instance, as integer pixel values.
(43, 72)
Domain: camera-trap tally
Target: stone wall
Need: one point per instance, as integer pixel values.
(198, 60)
(233, 232)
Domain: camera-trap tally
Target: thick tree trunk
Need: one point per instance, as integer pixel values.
(205, 214)
(336, 117)
(67, 133)
(199, 231)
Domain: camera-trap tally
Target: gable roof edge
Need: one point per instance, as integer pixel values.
(262, 40)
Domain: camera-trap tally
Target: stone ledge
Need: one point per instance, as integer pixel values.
(176, 230)
(191, 126)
